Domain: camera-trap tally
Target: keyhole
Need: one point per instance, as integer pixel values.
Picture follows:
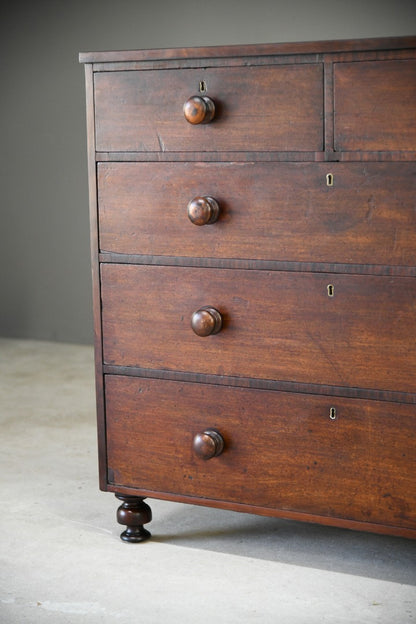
(332, 413)
(202, 86)
(329, 179)
(331, 290)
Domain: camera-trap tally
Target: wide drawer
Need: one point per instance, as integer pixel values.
(270, 211)
(281, 450)
(257, 108)
(375, 105)
(342, 330)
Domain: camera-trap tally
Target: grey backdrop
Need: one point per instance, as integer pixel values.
(44, 240)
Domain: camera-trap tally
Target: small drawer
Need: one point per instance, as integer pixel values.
(313, 454)
(359, 213)
(143, 110)
(339, 330)
(375, 105)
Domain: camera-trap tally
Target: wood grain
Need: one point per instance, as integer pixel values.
(305, 399)
(268, 211)
(281, 450)
(375, 105)
(253, 50)
(143, 110)
(276, 325)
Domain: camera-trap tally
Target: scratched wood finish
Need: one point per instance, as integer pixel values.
(282, 450)
(143, 110)
(375, 105)
(276, 325)
(269, 211)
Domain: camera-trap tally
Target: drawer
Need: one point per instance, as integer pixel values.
(375, 105)
(281, 450)
(270, 211)
(276, 325)
(257, 108)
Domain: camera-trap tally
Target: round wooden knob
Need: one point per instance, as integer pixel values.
(206, 321)
(203, 210)
(199, 109)
(208, 444)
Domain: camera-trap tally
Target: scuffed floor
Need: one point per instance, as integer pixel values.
(61, 560)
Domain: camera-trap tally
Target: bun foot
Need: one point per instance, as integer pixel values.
(133, 513)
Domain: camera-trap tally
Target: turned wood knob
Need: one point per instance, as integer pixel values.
(206, 321)
(203, 210)
(199, 109)
(208, 444)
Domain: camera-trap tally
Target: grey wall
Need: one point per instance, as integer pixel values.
(44, 244)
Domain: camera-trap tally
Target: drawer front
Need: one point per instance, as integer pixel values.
(375, 105)
(276, 325)
(270, 211)
(281, 450)
(143, 110)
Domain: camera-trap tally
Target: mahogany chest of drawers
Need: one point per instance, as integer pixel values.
(253, 223)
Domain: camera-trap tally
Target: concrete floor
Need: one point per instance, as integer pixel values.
(61, 559)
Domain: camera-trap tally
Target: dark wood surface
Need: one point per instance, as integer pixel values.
(375, 105)
(256, 50)
(143, 111)
(281, 450)
(95, 271)
(270, 211)
(276, 325)
(133, 513)
(309, 381)
(349, 392)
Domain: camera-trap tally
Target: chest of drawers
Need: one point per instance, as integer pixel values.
(253, 228)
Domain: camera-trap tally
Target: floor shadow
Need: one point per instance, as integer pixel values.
(303, 544)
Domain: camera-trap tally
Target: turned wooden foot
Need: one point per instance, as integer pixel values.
(133, 513)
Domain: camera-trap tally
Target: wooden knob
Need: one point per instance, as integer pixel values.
(203, 210)
(208, 444)
(206, 321)
(199, 109)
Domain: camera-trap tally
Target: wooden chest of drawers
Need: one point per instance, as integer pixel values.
(253, 222)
